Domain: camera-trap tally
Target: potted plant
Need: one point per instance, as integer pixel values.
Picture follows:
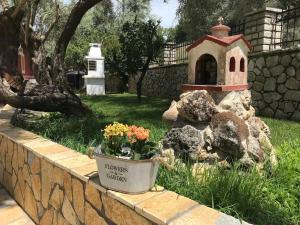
(127, 161)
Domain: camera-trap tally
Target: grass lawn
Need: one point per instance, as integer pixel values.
(269, 199)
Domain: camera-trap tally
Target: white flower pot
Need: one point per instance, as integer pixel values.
(124, 175)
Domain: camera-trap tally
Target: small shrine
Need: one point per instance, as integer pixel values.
(218, 62)
(95, 79)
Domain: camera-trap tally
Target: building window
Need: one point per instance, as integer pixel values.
(232, 64)
(242, 65)
(92, 66)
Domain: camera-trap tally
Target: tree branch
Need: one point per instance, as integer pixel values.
(80, 8)
(34, 8)
(53, 24)
(19, 8)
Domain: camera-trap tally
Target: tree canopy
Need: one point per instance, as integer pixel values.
(196, 17)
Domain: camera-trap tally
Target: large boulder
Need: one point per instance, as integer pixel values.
(230, 134)
(238, 102)
(196, 106)
(185, 141)
(218, 128)
(171, 114)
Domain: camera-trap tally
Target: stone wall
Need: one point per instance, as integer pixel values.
(274, 78)
(261, 30)
(58, 186)
(164, 82)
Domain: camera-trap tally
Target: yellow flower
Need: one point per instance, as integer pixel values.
(115, 129)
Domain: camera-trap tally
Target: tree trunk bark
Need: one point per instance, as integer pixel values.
(47, 98)
(53, 93)
(140, 81)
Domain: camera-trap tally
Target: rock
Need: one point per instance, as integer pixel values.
(118, 213)
(274, 105)
(258, 86)
(78, 198)
(280, 114)
(292, 84)
(47, 182)
(290, 71)
(230, 133)
(92, 195)
(260, 62)
(266, 72)
(30, 204)
(18, 194)
(272, 96)
(292, 95)
(36, 186)
(298, 75)
(277, 70)
(56, 198)
(268, 112)
(47, 218)
(270, 84)
(246, 161)
(251, 76)
(197, 106)
(256, 125)
(260, 79)
(238, 102)
(296, 116)
(281, 89)
(286, 60)
(257, 71)
(34, 163)
(288, 107)
(68, 212)
(184, 141)
(256, 95)
(281, 78)
(92, 217)
(254, 150)
(172, 113)
(251, 65)
(272, 61)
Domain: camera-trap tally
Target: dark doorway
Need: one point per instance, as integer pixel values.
(206, 70)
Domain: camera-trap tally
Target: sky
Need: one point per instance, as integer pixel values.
(166, 12)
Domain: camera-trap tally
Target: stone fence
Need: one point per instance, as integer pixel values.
(164, 81)
(274, 79)
(58, 186)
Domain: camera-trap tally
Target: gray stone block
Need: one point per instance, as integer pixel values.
(270, 84)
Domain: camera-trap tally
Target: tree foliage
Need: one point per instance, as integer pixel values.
(196, 17)
(138, 44)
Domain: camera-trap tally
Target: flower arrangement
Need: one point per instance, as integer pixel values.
(130, 142)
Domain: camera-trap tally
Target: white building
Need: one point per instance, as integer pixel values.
(95, 79)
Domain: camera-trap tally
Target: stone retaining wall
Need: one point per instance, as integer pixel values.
(274, 78)
(58, 186)
(164, 81)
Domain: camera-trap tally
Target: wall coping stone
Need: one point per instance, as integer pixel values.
(274, 52)
(168, 66)
(266, 9)
(161, 207)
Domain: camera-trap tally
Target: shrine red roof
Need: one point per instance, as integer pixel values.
(225, 41)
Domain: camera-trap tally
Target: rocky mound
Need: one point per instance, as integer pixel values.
(217, 128)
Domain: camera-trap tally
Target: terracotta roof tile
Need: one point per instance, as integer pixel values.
(225, 41)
